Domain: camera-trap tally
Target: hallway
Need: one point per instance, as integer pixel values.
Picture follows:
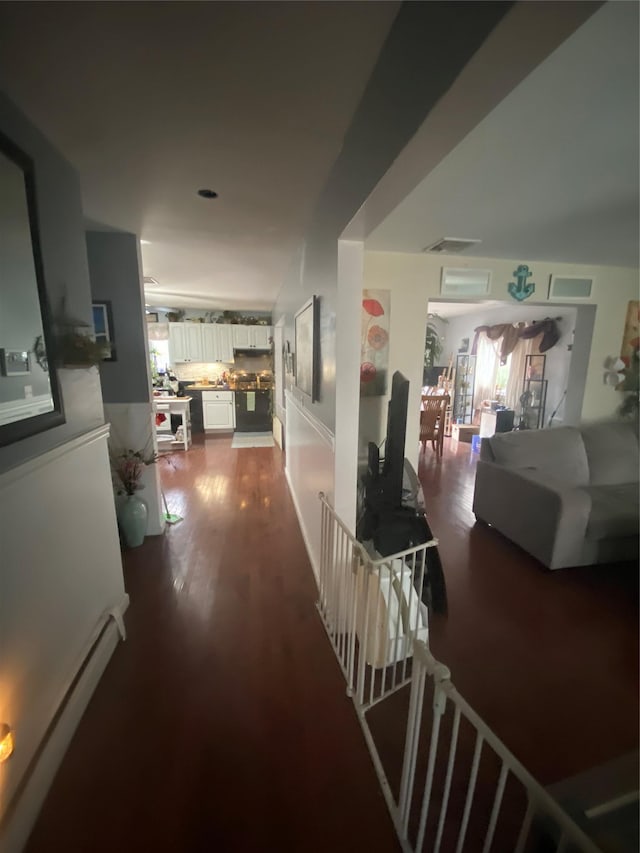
(222, 723)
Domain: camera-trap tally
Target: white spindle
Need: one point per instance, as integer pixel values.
(495, 811)
(524, 829)
(439, 704)
(453, 745)
(412, 741)
(470, 792)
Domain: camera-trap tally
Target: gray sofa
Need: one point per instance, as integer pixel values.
(569, 495)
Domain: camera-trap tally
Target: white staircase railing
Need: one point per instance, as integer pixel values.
(472, 796)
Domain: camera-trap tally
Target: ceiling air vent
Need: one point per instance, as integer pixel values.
(149, 280)
(450, 246)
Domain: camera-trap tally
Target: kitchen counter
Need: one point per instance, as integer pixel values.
(197, 386)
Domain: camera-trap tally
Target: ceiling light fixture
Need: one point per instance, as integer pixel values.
(208, 193)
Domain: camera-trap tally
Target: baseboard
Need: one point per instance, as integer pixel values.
(22, 812)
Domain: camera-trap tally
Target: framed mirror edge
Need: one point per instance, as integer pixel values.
(307, 349)
(18, 430)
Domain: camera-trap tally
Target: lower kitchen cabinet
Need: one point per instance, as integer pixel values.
(218, 410)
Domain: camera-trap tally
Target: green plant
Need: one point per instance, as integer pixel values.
(76, 344)
(80, 350)
(432, 343)
(128, 466)
(630, 406)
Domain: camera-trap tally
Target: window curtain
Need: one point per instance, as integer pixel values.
(487, 363)
(516, 371)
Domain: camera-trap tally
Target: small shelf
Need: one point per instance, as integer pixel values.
(534, 393)
(464, 389)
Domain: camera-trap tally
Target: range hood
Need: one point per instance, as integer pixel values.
(251, 352)
(252, 359)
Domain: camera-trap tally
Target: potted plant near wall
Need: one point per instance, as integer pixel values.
(128, 467)
(432, 342)
(76, 343)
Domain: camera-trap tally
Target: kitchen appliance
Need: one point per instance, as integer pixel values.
(253, 401)
(252, 360)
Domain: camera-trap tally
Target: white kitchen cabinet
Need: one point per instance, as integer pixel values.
(225, 342)
(218, 410)
(209, 343)
(259, 336)
(185, 342)
(251, 336)
(216, 342)
(240, 336)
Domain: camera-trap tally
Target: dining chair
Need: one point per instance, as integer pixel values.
(432, 416)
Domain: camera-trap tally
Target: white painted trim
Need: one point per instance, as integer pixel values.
(303, 529)
(348, 356)
(323, 431)
(8, 478)
(22, 813)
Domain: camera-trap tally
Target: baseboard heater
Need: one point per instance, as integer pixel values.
(26, 801)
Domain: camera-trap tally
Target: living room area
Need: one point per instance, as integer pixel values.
(548, 658)
(222, 723)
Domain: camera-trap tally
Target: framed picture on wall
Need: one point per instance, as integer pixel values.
(307, 349)
(14, 362)
(103, 327)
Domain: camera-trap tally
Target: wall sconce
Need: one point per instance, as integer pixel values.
(613, 364)
(6, 742)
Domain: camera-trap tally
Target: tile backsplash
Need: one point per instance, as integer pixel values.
(199, 370)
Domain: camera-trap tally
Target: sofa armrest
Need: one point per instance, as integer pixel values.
(547, 519)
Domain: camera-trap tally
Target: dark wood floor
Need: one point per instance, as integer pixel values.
(548, 659)
(222, 724)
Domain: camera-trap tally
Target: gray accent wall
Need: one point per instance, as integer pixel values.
(115, 274)
(64, 259)
(415, 68)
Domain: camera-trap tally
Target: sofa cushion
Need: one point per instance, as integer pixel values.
(559, 452)
(614, 511)
(612, 451)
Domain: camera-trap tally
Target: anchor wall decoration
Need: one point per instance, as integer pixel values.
(519, 288)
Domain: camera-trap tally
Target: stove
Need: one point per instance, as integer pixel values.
(252, 382)
(252, 401)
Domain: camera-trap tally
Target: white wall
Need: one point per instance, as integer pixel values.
(310, 464)
(61, 572)
(414, 70)
(60, 565)
(413, 279)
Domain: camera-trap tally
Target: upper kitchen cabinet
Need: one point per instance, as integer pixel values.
(259, 336)
(251, 336)
(185, 342)
(216, 342)
(211, 342)
(225, 342)
(240, 336)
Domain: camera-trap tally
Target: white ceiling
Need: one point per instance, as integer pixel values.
(153, 101)
(552, 172)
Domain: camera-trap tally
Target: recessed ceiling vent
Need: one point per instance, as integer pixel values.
(149, 281)
(450, 246)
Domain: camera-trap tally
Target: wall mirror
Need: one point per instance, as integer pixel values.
(30, 400)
